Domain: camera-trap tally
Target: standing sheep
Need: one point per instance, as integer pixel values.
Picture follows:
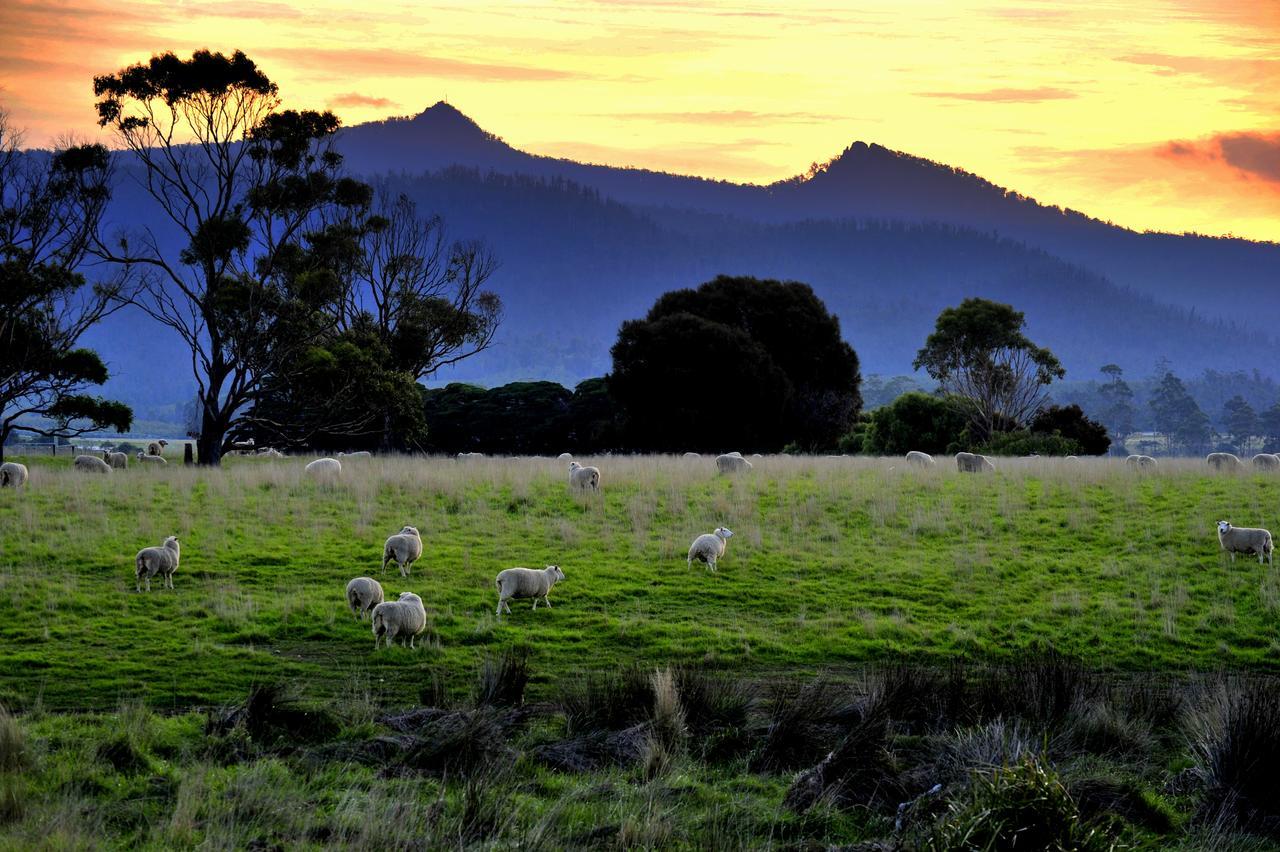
(13, 475)
(915, 458)
(1244, 540)
(153, 561)
(91, 464)
(1139, 462)
(119, 461)
(1225, 462)
(973, 463)
(404, 548)
(581, 478)
(156, 448)
(1266, 461)
(405, 617)
(363, 594)
(526, 583)
(709, 547)
(692, 455)
(361, 454)
(469, 456)
(324, 469)
(731, 463)
(564, 457)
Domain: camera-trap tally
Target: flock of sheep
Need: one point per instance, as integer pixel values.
(407, 618)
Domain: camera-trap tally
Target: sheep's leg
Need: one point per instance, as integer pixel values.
(411, 638)
(547, 601)
(535, 603)
(1233, 557)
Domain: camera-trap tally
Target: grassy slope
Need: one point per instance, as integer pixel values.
(835, 562)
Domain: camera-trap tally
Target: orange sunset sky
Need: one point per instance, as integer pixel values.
(1153, 114)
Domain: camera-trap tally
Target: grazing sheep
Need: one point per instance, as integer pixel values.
(245, 447)
(362, 454)
(731, 463)
(1266, 461)
(709, 547)
(526, 583)
(363, 594)
(324, 468)
(120, 461)
(583, 478)
(1228, 462)
(1071, 458)
(693, 455)
(151, 561)
(12, 475)
(92, 464)
(1244, 540)
(270, 453)
(469, 456)
(156, 448)
(973, 463)
(1139, 461)
(404, 548)
(149, 459)
(405, 617)
(915, 458)
(564, 457)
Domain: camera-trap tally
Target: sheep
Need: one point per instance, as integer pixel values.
(404, 548)
(1228, 462)
(270, 453)
(149, 459)
(973, 463)
(582, 478)
(362, 454)
(564, 457)
(526, 583)
(915, 458)
(156, 448)
(1266, 461)
(406, 616)
(91, 464)
(709, 547)
(363, 594)
(469, 456)
(1139, 462)
(119, 461)
(151, 561)
(1071, 458)
(732, 463)
(693, 455)
(13, 475)
(324, 468)
(1245, 540)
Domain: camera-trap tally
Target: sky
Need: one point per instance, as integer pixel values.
(1154, 114)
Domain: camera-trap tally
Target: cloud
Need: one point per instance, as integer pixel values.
(1006, 96)
(355, 99)
(1252, 155)
(729, 117)
(355, 62)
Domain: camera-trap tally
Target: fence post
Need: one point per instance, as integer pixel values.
(188, 457)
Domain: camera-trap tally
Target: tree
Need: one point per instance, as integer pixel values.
(1269, 425)
(740, 362)
(978, 352)
(1069, 421)
(1117, 406)
(50, 209)
(256, 194)
(1239, 419)
(915, 421)
(1177, 415)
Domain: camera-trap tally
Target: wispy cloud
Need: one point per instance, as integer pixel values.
(349, 62)
(734, 117)
(1006, 96)
(355, 99)
(1252, 155)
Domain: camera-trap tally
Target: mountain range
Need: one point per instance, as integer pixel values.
(885, 238)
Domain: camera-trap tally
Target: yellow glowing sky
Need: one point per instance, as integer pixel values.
(1150, 113)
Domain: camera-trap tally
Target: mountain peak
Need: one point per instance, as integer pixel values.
(446, 120)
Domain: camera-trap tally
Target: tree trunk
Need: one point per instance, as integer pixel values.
(212, 432)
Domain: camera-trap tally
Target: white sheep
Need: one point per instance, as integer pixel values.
(693, 455)
(1245, 540)
(915, 458)
(732, 463)
(150, 459)
(120, 461)
(709, 547)
(1139, 462)
(1266, 461)
(526, 583)
(363, 594)
(404, 617)
(564, 457)
(91, 464)
(13, 475)
(361, 454)
(152, 561)
(973, 463)
(270, 453)
(582, 478)
(1228, 462)
(156, 448)
(324, 468)
(469, 456)
(404, 548)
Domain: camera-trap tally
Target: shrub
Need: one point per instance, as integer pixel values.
(1069, 421)
(13, 744)
(1024, 443)
(804, 723)
(914, 421)
(1235, 739)
(503, 679)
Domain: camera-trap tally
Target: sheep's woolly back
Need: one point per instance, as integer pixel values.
(919, 459)
(709, 547)
(91, 464)
(584, 477)
(1224, 461)
(324, 467)
(363, 594)
(1138, 461)
(158, 561)
(404, 548)
(404, 617)
(1244, 540)
(1266, 461)
(12, 475)
(973, 463)
(732, 463)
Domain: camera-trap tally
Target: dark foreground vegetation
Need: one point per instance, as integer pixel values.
(1043, 753)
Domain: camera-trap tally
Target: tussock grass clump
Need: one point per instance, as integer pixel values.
(718, 711)
(607, 702)
(272, 715)
(804, 722)
(503, 678)
(13, 743)
(1042, 687)
(1235, 740)
(860, 770)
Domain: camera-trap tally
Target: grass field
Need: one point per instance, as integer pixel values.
(838, 566)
